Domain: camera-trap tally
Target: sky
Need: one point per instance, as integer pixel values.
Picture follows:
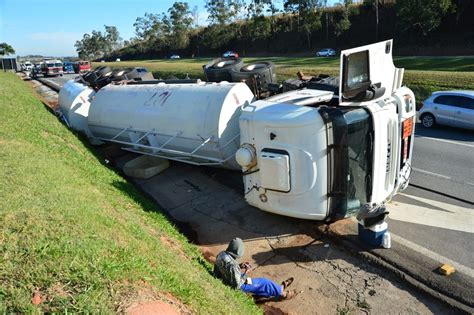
(51, 27)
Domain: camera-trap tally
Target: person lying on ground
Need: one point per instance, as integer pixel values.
(229, 271)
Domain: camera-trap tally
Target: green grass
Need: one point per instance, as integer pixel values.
(76, 232)
(423, 75)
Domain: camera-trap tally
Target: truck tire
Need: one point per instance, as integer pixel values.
(103, 71)
(220, 69)
(256, 75)
(117, 74)
(138, 74)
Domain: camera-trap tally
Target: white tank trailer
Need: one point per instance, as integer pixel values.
(317, 153)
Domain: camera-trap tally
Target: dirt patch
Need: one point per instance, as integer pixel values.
(143, 298)
(208, 254)
(173, 245)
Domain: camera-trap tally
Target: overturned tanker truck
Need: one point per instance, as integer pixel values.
(319, 153)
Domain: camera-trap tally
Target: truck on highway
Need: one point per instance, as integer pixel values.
(52, 68)
(82, 66)
(319, 153)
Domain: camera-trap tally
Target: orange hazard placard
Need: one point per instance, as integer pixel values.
(407, 127)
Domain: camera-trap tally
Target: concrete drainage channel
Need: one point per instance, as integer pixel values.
(209, 209)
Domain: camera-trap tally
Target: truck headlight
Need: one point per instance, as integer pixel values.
(246, 156)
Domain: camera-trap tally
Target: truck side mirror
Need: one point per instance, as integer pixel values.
(356, 74)
(356, 85)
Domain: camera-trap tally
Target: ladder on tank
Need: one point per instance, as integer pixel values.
(191, 157)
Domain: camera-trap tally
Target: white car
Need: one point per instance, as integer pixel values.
(27, 66)
(174, 57)
(451, 108)
(326, 52)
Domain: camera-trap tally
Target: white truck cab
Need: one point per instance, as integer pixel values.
(321, 155)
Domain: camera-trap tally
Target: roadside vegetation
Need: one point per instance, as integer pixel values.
(264, 27)
(76, 237)
(423, 75)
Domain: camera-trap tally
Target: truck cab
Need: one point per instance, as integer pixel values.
(82, 66)
(52, 68)
(322, 153)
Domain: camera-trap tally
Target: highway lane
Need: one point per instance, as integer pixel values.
(443, 160)
(60, 80)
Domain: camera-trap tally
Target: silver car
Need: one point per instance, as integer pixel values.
(326, 52)
(451, 108)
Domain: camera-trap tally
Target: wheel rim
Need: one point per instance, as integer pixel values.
(428, 121)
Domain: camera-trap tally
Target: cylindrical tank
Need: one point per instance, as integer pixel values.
(194, 123)
(74, 103)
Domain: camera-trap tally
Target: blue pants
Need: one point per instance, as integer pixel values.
(262, 287)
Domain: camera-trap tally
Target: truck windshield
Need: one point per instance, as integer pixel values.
(350, 160)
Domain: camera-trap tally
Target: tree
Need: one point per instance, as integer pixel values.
(98, 44)
(223, 11)
(112, 38)
(343, 24)
(180, 19)
(308, 13)
(6, 49)
(259, 27)
(424, 15)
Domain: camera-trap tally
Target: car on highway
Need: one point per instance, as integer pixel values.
(82, 66)
(230, 54)
(52, 68)
(175, 57)
(27, 66)
(450, 108)
(326, 52)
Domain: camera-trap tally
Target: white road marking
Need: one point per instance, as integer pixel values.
(430, 173)
(441, 176)
(454, 217)
(435, 256)
(448, 141)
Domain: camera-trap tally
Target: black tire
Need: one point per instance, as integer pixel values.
(91, 78)
(220, 69)
(118, 74)
(103, 81)
(428, 120)
(256, 75)
(103, 71)
(138, 74)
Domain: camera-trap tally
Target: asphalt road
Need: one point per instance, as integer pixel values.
(443, 162)
(60, 80)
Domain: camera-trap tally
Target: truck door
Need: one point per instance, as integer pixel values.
(368, 78)
(368, 73)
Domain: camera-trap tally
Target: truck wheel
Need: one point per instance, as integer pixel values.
(103, 71)
(117, 74)
(138, 74)
(256, 75)
(428, 120)
(220, 69)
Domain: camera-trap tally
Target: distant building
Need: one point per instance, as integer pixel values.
(9, 64)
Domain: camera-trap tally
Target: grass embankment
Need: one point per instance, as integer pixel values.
(423, 75)
(76, 235)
